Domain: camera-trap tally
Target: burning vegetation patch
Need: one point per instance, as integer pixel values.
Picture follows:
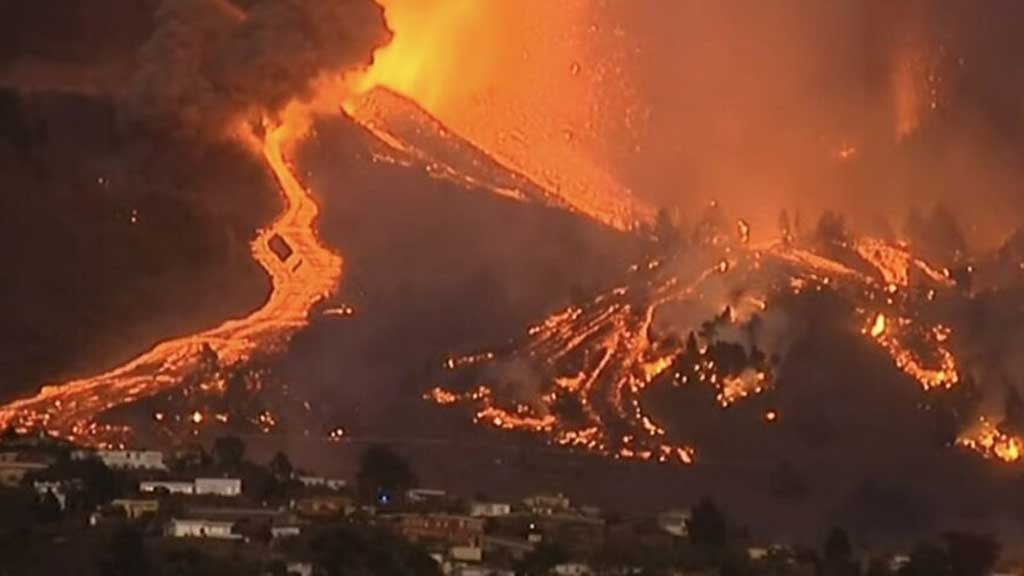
(716, 312)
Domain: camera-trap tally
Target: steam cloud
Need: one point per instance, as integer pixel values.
(209, 61)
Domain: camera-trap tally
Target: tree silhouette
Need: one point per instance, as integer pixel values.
(125, 554)
(383, 474)
(542, 559)
(47, 508)
(281, 466)
(343, 550)
(971, 554)
(228, 451)
(707, 527)
(927, 560)
(838, 560)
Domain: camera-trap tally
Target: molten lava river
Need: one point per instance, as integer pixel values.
(672, 323)
(302, 271)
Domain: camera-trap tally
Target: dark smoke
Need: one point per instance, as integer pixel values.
(210, 60)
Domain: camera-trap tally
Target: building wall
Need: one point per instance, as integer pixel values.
(133, 459)
(455, 529)
(489, 509)
(201, 529)
(137, 508)
(172, 487)
(219, 486)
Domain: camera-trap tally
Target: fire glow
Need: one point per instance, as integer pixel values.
(309, 273)
(602, 358)
(497, 94)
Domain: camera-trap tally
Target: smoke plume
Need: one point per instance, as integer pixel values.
(210, 61)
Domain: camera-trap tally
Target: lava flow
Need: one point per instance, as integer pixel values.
(691, 319)
(302, 271)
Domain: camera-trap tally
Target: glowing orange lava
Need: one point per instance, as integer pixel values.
(600, 358)
(988, 440)
(528, 91)
(309, 273)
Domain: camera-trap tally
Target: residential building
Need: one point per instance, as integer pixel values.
(571, 569)
(466, 553)
(219, 486)
(254, 515)
(282, 531)
(507, 547)
(489, 509)
(167, 486)
(14, 466)
(547, 504)
(201, 528)
(322, 482)
(58, 488)
(135, 508)
(674, 522)
(324, 506)
(299, 569)
(898, 561)
(460, 530)
(125, 459)
(757, 553)
(581, 535)
(421, 495)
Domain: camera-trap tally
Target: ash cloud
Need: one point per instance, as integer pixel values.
(209, 61)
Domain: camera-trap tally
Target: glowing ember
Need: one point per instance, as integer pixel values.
(598, 361)
(989, 441)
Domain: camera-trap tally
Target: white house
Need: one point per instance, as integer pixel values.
(136, 508)
(126, 459)
(898, 561)
(285, 531)
(489, 509)
(571, 569)
(466, 553)
(201, 528)
(299, 569)
(58, 489)
(322, 482)
(425, 495)
(219, 486)
(15, 466)
(171, 487)
(674, 522)
(757, 553)
(547, 504)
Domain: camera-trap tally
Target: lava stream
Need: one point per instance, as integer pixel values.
(596, 362)
(300, 276)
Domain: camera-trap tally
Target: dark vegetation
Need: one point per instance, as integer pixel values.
(37, 537)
